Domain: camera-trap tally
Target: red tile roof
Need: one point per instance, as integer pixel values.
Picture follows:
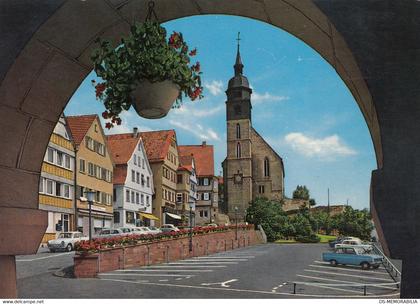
(120, 174)
(79, 125)
(185, 161)
(122, 146)
(157, 144)
(203, 158)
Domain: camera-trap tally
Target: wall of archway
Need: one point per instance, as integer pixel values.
(46, 58)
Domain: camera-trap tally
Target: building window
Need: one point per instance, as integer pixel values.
(205, 181)
(133, 176)
(49, 186)
(179, 197)
(135, 159)
(58, 189)
(138, 160)
(261, 189)
(148, 181)
(129, 217)
(147, 201)
(142, 180)
(238, 150)
(142, 163)
(179, 179)
(266, 167)
(66, 191)
(206, 196)
(41, 185)
(132, 197)
(142, 199)
(238, 131)
(91, 169)
(114, 192)
(82, 165)
(50, 155)
(98, 197)
(127, 196)
(67, 162)
(206, 213)
(60, 158)
(138, 198)
(201, 213)
(137, 178)
(116, 217)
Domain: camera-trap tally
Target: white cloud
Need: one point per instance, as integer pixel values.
(215, 87)
(327, 147)
(128, 122)
(189, 111)
(197, 130)
(266, 97)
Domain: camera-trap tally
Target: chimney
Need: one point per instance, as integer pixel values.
(204, 144)
(135, 132)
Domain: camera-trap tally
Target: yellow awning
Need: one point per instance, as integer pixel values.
(149, 216)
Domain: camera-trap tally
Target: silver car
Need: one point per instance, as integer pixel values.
(107, 233)
(141, 230)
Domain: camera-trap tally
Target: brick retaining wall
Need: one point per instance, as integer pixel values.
(88, 266)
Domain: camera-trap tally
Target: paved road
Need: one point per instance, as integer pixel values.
(264, 271)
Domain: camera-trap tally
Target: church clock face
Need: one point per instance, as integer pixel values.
(238, 178)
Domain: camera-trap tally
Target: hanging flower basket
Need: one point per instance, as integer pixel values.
(146, 70)
(154, 100)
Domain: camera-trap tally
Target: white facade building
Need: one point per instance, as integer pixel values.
(133, 181)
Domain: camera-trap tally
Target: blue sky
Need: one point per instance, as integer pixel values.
(300, 106)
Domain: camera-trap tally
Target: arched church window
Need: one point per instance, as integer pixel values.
(266, 167)
(238, 150)
(238, 131)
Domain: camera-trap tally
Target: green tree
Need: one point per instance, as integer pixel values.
(353, 222)
(268, 214)
(301, 192)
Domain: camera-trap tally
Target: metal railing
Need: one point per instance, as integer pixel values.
(388, 265)
(363, 286)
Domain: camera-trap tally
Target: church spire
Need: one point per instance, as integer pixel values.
(238, 64)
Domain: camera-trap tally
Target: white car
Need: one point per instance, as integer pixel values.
(154, 230)
(168, 228)
(354, 243)
(65, 241)
(108, 233)
(141, 230)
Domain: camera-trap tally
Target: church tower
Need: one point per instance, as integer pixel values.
(237, 167)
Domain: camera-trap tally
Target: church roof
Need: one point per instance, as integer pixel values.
(239, 80)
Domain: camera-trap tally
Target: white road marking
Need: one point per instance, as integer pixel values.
(43, 258)
(226, 257)
(253, 291)
(164, 270)
(349, 275)
(163, 280)
(186, 266)
(147, 275)
(333, 288)
(353, 284)
(177, 279)
(202, 263)
(215, 260)
(222, 284)
(354, 270)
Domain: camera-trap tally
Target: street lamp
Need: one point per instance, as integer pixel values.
(90, 197)
(236, 222)
(191, 205)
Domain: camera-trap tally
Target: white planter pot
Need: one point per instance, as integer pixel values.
(154, 100)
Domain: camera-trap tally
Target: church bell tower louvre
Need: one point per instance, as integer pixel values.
(237, 167)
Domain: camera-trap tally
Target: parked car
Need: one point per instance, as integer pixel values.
(106, 233)
(168, 228)
(65, 241)
(352, 256)
(338, 240)
(126, 230)
(212, 225)
(355, 243)
(154, 230)
(141, 230)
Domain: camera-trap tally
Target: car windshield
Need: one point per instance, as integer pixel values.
(64, 236)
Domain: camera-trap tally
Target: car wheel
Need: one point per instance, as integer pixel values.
(333, 263)
(365, 265)
(375, 266)
(52, 250)
(69, 248)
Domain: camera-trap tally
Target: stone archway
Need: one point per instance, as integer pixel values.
(51, 58)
